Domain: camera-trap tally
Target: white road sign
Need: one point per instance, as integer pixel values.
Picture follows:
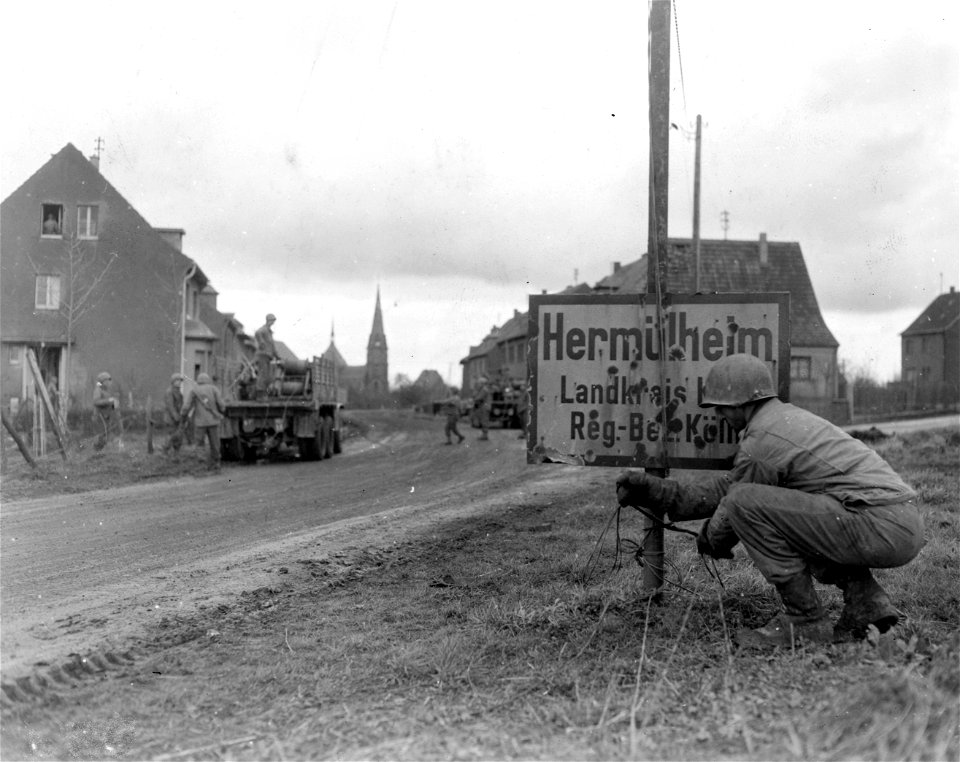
(604, 394)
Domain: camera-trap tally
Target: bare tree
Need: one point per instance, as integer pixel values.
(84, 274)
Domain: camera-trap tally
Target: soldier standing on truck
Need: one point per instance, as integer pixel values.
(266, 354)
(451, 410)
(205, 400)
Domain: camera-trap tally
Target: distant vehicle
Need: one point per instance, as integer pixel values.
(508, 407)
(301, 408)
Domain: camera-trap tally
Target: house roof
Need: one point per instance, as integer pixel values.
(284, 352)
(197, 329)
(489, 342)
(514, 328)
(332, 353)
(735, 266)
(943, 312)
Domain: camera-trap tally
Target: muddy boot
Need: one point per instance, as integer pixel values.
(803, 619)
(865, 602)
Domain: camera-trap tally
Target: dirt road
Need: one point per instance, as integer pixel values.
(90, 571)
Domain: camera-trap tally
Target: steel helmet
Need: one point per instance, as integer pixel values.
(176, 377)
(736, 380)
(103, 376)
(204, 378)
(270, 317)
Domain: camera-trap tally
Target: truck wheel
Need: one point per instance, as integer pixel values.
(326, 427)
(231, 449)
(309, 447)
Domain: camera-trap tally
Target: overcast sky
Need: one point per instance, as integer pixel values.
(462, 155)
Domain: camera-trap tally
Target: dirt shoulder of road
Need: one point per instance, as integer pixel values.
(119, 617)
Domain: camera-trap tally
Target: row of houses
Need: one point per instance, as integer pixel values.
(929, 346)
(88, 285)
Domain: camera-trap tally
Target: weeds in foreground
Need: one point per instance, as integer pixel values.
(487, 641)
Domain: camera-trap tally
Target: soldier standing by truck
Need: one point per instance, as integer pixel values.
(266, 354)
(481, 401)
(205, 400)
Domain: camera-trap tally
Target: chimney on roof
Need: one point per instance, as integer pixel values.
(953, 289)
(95, 160)
(764, 253)
(516, 312)
(616, 267)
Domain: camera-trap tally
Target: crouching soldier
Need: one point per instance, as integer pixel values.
(207, 405)
(807, 501)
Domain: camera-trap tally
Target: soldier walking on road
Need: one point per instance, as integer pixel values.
(207, 405)
(807, 501)
(451, 410)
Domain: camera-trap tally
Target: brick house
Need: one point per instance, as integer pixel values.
(502, 355)
(756, 267)
(725, 266)
(79, 266)
(930, 354)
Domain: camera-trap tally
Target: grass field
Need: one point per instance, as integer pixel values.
(510, 637)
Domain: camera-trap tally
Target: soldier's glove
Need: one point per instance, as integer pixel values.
(706, 548)
(640, 489)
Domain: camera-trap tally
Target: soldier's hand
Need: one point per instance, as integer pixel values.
(706, 548)
(633, 487)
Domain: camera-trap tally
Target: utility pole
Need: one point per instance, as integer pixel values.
(725, 222)
(659, 95)
(696, 208)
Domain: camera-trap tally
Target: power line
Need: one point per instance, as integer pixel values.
(676, 25)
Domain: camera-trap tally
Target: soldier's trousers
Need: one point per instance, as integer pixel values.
(787, 532)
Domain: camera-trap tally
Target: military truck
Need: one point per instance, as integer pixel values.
(300, 408)
(508, 407)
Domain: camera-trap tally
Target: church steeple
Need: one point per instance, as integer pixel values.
(376, 378)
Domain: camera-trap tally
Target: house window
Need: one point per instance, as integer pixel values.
(800, 368)
(48, 292)
(51, 220)
(87, 221)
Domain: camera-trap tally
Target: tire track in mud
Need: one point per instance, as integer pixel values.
(400, 481)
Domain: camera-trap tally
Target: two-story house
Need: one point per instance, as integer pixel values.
(930, 354)
(755, 267)
(724, 267)
(90, 286)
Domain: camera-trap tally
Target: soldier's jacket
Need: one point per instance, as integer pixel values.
(788, 447)
(207, 404)
(104, 398)
(173, 403)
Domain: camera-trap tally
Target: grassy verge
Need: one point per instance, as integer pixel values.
(498, 638)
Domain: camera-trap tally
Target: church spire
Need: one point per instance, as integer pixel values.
(377, 374)
(377, 330)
